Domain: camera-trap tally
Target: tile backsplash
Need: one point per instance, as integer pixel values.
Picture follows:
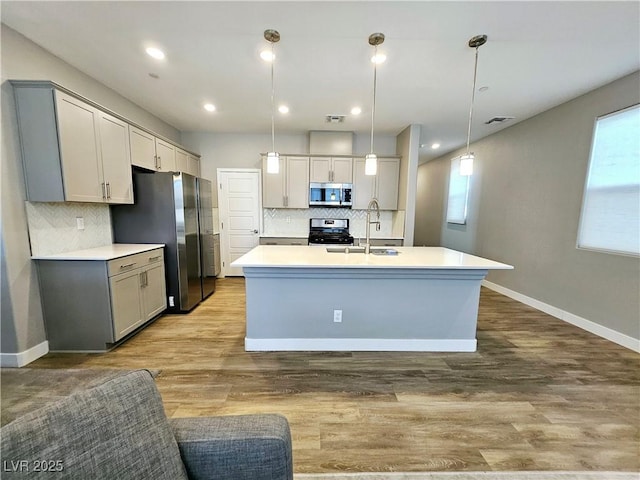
(53, 227)
(295, 222)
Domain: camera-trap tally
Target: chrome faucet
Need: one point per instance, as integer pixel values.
(372, 204)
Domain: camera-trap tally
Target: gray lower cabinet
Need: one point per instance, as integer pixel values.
(90, 305)
(386, 242)
(284, 241)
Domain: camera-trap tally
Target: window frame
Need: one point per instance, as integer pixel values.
(585, 190)
(452, 171)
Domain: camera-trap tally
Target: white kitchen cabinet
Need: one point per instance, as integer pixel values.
(116, 160)
(71, 150)
(187, 163)
(138, 295)
(166, 156)
(143, 148)
(383, 186)
(182, 160)
(151, 152)
(126, 302)
(331, 169)
(92, 304)
(193, 165)
(289, 188)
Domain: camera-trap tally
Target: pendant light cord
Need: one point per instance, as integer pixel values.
(473, 96)
(273, 132)
(373, 108)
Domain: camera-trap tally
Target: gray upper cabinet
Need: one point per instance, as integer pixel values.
(71, 150)
(331, 169)
(151, 152)
(383, 186)
(289, 188)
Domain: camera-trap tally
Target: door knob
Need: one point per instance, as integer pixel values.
(255, 231)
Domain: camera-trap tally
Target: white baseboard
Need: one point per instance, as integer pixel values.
(21, 359)
(358, 345)
(593, 327)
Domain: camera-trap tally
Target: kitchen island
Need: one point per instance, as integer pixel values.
(304, 298)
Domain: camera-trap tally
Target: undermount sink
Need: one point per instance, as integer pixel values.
(373, 251)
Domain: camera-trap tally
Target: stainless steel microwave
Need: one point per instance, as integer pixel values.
(330, 194)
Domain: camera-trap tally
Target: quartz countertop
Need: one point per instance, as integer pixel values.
(270, 256)
(106, 252)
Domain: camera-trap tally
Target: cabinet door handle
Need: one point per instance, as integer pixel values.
(108, 190)
(141, 276)
(146, 279)
(104, 192)
(159, 162)
(127, 265)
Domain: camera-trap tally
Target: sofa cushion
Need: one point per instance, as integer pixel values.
(238, 447)
(116, 430)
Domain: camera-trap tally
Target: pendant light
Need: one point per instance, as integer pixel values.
(371, 160)
(273, 157)
(466, 160)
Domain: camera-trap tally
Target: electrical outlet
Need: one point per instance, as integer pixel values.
(171, 303)
(288, 219)
(80, 223)
(337, 316)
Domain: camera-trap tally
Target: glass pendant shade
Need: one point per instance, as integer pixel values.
(273, 162)
(466, 164)
(370, 164)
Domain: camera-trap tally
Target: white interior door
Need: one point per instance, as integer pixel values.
(239, 200)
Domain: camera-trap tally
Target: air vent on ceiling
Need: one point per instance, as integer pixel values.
(500, 119)
(334, 118)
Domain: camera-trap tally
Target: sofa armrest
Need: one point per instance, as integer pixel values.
(250, 447)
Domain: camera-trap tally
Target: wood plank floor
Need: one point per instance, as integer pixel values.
(539, 394)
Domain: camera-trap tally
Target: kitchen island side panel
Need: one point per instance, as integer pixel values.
(76, 305)
(377, 305)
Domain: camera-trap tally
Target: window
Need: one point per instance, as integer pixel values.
(458, 194)
(610, 219)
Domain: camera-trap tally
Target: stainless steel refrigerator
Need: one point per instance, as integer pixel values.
(169, 208)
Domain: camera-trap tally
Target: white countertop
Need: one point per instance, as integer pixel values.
(408, 257)
(106, 252)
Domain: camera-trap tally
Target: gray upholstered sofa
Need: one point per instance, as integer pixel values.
(119, 431)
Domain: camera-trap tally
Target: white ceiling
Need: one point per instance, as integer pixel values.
(538, 54)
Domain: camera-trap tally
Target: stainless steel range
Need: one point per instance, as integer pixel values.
(329, 231)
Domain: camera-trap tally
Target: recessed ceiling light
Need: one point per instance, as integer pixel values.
(379, 58)
(435, 146)
(155, 53)
(283, 109)
(209, 107)
(267, 55)
(356, 111)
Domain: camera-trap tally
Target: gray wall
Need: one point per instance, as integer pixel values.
(21, 323)
(408, 146)
(430, 195)
(525, 203)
